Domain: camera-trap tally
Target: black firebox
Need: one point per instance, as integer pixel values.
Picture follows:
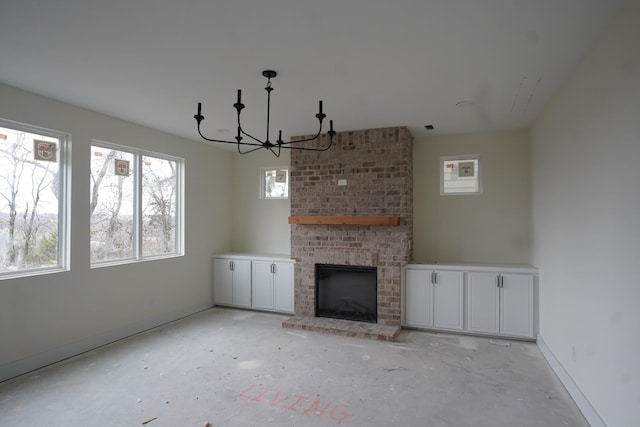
(347, 292)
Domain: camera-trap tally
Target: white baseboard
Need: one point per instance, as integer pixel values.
(588, 411)
(22, 366)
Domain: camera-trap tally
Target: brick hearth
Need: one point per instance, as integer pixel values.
(377, 165)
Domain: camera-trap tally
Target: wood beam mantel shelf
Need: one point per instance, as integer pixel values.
(345, 220)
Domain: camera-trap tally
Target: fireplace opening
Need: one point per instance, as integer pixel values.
(347, 292)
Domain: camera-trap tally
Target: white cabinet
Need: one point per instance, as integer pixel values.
(253, 281)
(517, 305)
(448, 299)
(501, 303)
(272, 286)
(418, 294)
(477, 299)
(434, 298)
(232, 282)
(262, 285)
(283, 287)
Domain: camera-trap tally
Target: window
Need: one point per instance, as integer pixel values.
(460, 175)
(274, 183)
(136, 204)
(33, 200)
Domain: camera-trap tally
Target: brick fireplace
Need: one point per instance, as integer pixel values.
(376, 165)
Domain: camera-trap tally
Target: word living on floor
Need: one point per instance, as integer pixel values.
(296, 403)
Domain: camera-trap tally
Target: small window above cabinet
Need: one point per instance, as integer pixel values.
(460, 175)
(274, 183)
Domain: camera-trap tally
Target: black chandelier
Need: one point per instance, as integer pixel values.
(266, 144)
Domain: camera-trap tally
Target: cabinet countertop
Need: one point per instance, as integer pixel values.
(488, 267)
(254, 256)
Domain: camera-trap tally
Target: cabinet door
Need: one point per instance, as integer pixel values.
(516, 300)
(262, 285)
(448, 297)
(418, 299)
(483, 303)
(242, 283)
(283, 287)
(222, 281)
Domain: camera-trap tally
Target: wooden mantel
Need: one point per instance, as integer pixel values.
(345, 220)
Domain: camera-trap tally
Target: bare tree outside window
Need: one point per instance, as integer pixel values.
(158, 206)
(132, 191)
(112, 198)
(30, 209)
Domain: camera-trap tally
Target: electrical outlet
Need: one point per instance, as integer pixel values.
(342, 182)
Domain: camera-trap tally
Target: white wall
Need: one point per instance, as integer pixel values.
(258, 225)
(586, 223)
(48, 317)
(493, 227)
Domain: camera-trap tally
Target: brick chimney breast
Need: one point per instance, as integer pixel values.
(377, 166)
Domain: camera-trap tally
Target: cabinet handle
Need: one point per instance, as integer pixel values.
(434, 277)
(498, 281)
(231, 266)
(273, 268)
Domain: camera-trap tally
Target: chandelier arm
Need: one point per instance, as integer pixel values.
(293, 147)
(273, 151)
(260, 142)
(227, 142)
(303, 140)
(331, 134)
(258, 147)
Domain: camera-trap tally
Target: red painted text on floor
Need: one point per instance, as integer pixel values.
(301, 404)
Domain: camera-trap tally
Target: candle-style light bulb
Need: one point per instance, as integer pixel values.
(239, 96)
(330, 125)
(199, 108)
(320, 103)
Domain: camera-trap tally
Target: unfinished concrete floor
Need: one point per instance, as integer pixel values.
(241, 368)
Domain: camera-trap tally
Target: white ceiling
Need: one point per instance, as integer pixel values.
(374, 63)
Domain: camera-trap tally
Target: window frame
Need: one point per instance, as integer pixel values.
(460, 158)
(63, 241)
(263, 189)
(179, 231)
